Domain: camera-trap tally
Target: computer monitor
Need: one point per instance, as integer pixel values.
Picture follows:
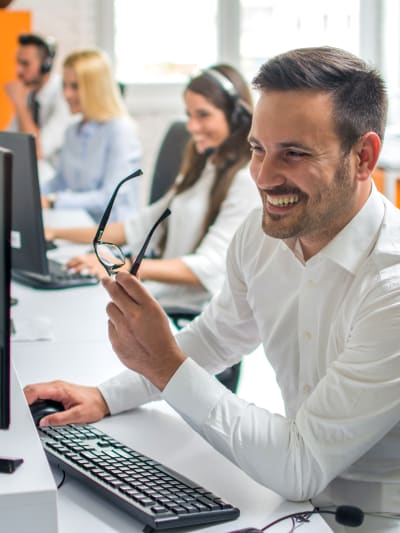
(27, 236)
(5, 274)
(29, 261)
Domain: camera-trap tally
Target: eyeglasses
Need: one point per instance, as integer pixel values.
(110, 255)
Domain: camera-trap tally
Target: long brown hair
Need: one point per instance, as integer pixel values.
(234, 99)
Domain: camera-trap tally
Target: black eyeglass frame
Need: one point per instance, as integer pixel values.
(103, 222)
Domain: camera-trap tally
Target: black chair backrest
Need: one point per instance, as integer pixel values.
(168, 160)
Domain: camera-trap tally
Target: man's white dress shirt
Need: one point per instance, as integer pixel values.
(330, 329)
(54, 118)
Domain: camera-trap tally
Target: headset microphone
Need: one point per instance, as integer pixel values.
(346, 515)
(209, 152)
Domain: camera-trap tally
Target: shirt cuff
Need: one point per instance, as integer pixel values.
(127, 390)
(193, 392)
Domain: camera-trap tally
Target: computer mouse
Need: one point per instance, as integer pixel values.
(42, 408)
(50, 245)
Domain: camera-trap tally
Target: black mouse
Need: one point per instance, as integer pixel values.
(42, 408)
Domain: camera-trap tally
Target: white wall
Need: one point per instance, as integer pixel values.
(79, 24)
(83, 23)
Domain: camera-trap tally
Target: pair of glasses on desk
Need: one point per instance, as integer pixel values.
(110, 255)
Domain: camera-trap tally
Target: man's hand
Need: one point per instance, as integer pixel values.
(82, 404)
(139, 330)
(17, 92)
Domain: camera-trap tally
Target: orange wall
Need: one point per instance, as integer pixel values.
(12, 23)
(379, 179)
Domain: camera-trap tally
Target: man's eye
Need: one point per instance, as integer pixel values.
(295, 153)
(254, 148)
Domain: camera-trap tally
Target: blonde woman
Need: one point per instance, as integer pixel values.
(98, 150)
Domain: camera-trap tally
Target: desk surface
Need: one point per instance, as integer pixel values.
(80, 352)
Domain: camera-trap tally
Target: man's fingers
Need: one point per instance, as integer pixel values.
(114, 313)
(74, 415)
(126, 301)
(48, 391)
(134, 288)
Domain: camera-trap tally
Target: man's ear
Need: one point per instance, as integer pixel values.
(367, 151)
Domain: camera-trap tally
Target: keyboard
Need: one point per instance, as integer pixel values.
(59, 278)
(151, 492)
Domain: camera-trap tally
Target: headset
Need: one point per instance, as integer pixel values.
(240, 108)
(346, 515)
(48, 45)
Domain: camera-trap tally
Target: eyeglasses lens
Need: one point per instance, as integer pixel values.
(110, 255)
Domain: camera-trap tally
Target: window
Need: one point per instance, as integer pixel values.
(269, 27)
(163, 41)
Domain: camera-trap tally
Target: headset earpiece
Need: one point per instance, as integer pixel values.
(47, 63)
(239, 113)
(239, 110)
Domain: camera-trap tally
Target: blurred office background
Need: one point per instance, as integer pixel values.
(155, 45)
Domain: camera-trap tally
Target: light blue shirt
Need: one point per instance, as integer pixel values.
(94, 158)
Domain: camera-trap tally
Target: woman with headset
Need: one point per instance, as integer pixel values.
(211, 196)
(98, 150)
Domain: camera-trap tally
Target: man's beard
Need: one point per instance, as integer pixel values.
(321, 215)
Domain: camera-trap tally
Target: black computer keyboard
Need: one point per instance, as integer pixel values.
(59, 278)
(151, 492)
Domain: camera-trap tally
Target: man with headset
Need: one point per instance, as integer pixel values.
(36, 95)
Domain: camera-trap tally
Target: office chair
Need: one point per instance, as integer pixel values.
(165, 171)
(168, 159)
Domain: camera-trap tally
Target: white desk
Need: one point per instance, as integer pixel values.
(80, 352)
(28, 497)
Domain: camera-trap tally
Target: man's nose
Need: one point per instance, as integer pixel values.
(267, 173)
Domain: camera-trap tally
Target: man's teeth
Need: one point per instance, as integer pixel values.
(283, 200)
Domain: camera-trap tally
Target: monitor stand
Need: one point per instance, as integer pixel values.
(28, 496)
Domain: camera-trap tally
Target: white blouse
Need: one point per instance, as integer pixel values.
(188, 211)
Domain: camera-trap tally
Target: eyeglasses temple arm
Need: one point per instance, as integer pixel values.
(107, 211)
(135, 267)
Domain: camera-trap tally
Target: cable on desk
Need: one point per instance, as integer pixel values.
(62, 480)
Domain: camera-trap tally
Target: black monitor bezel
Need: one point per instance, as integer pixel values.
(28, 245)
(6, 162)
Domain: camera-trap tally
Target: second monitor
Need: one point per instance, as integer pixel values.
(30, 264)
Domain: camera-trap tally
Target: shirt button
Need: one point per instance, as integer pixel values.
(307, 334)
(306, 389)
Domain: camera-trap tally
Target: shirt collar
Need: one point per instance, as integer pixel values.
(354, 243)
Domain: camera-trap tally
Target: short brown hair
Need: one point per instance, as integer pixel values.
(358, 91)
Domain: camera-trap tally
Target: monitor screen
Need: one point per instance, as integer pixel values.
(27, 235)
(5, 270)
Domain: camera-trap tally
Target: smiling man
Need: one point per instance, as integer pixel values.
(315, 277)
